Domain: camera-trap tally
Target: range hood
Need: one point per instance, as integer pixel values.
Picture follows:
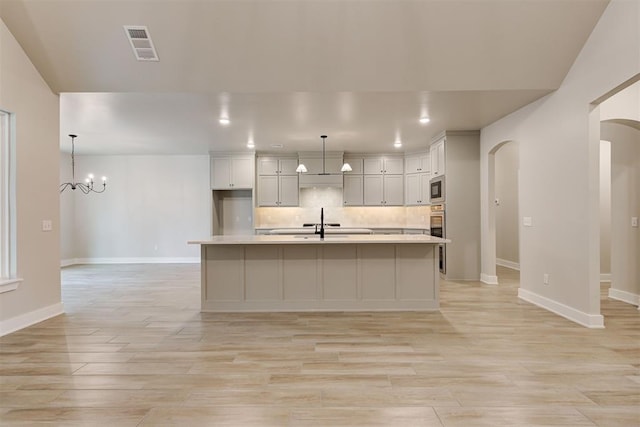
(316, 176)
(320, 169)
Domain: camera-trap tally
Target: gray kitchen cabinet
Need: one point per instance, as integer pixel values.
(384, 165)
(437, 157)
(277, 181)
(383, 190)
(353, 190)
(417, 189)
(417, 163)
(232, 172)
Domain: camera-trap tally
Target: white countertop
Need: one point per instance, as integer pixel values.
(327, 230)
(267, 239)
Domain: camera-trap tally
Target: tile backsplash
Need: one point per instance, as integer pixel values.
(360, 216)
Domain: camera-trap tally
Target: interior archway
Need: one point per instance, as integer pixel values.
(490, 276)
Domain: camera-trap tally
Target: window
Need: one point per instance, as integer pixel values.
(8, 279)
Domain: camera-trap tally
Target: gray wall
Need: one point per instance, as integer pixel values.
(24, 93)
(153, 205)
(559, 139)
(506, 185)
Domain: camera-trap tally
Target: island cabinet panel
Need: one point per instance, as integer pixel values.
(378, 272)
(263, 275)
(300, 272)
(314, 274)
(225, 265)
(416, 271)
(340, 273)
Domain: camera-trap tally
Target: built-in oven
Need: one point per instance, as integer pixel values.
(438, 229)
(436, 190)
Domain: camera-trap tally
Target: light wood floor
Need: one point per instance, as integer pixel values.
(133, 349)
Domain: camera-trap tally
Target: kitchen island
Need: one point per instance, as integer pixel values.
(306, 273)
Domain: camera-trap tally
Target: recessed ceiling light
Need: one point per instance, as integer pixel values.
(424, 120)
(397, 144)
(250, 144)
(224, 121)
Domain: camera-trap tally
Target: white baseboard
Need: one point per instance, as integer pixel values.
(27, 319)
(488, 279)
(68, 262)
(624, 296)
(605, 277)
(584, 319)
(139, 260)
(509, 264)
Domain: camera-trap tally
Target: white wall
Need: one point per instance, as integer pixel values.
(153, 205)
(605, 209)
(559, 186)
(625, 199)
(506, 191)
(24, 93)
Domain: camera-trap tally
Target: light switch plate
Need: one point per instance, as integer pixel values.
(634, 221)
(47, 225)
(527, 221)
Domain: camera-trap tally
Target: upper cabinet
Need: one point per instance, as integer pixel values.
(277, 165)
(384, 165)
(436, 152)
(417, 163)
(277, 181)
(232, 172)
(417, 167)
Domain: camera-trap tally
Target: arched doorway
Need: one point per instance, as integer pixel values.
(502, 203)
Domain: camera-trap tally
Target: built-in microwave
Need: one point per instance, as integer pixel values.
(436, 190)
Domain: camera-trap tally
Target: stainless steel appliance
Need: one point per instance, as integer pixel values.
(436, 190)
(438, 229)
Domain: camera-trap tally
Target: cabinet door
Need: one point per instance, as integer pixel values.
(288, 190)
(373, 194)
(412, 188)
(417, 163)
(424, 189)
(352, 192)
(288, 166)
(242, 173)
(373, 166)
(436, 152)
(393, 190)
(268, 166)
(425, 163)
(220, 173)
(268, 190)
(393, 166)
(412, 164)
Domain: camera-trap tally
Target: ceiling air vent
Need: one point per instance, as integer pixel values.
(141, 43)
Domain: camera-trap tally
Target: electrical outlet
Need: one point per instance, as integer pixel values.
(47, 225)
(634, 221)
(545, 278)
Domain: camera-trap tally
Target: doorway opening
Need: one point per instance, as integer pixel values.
(619, 119)
(503, 211)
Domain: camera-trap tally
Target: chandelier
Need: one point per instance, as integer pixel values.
(87, 186)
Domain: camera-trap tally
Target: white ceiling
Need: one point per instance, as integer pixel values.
(285, 72)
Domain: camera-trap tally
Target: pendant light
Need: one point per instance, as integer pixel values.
(346, 167)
